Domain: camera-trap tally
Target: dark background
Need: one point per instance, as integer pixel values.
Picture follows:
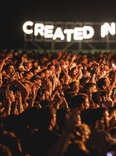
(14, 14)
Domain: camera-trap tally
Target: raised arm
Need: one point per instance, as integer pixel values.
(5, 59)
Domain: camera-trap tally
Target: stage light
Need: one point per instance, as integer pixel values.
(26, 28)
(58, 34)
(113, 65)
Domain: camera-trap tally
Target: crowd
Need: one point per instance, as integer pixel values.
(57, 104)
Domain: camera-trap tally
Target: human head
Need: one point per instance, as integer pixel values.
(82, 132)
(4, 150)
(76, 148)
(10, 68)
(103, 83)
(80, 101)
(28, 65)
(35, 64)
(47, 73)
(90, 87)
(96, 118)
(28, 75)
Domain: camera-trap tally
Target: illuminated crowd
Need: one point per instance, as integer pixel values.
(57, 104)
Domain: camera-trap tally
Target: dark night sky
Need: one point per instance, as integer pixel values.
(13, 14)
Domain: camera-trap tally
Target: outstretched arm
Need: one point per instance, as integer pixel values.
(22, 88)
(5, 59)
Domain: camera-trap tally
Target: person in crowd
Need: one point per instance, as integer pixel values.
(4, 150)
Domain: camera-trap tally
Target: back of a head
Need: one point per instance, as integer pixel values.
(10, 140)
(83, 130)
(4, 150)
(37, 118)
(76, 149)
(78, 101)
(96, 98)
(101, 83)
(102, 141)
(90, 116)
(113, 132)
(88, 86)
